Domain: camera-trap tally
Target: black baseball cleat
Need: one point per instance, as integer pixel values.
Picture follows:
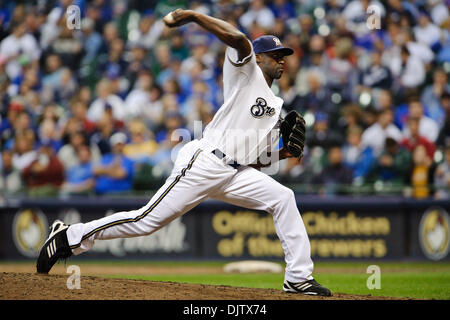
(55, 248)
(311, 287)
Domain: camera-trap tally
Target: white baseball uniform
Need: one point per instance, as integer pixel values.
(242, 129)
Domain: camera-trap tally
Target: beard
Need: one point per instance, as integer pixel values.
(279, 72)
(276, 74)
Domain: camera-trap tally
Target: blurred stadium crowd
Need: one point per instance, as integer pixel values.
(92, 110)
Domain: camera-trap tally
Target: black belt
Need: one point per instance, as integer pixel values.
(219, 154)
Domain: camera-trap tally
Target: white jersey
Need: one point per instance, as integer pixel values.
(243, 126)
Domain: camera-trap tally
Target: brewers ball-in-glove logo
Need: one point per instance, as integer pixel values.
(277, 41)
(260, 108)
(434, 233)
(29, 231)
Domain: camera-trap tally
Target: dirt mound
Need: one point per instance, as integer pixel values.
(30, 286)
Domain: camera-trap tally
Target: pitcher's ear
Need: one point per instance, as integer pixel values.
(258, 58)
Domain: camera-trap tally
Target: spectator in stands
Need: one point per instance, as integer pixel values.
(442, 176)
(18, 45)
(92, 41)
(178, 47)
(384, 100)
(80, 178)
(106, 99)
(171, 137)
(258, 13)
(106, 127)
(83, 95)
(197, 105)
(321, 134)
(289, 94)
(110, 32)
(444, 134)
(377, 75)
(408, 70)
(356, 156)
(152, 114)
(138, 61)
(24, 153)
(29, 81)
(10, 178)
(200, 56)
(68, 47)
(114, 173)
(45, 175)
(139, 97)
(341, 75)
(142, 145)
(7, 130)
(148, 32)
(318, 97)
(418, 49)
(79, 112)
(375, 135)
(428, 128)
(397, 9)
(283, 9)
(316, 61)
(431, 96)
(68, 154)
(51, 27)
(335, 177)
(439, 11)
(351, 116)
(56, 80)
(113, 61)
(427, 32)
(421, 174)
(392, 164)
(415, 139)
(23, 122)
(307, 30)
(49, 133)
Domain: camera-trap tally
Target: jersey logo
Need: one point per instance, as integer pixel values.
(260, 109)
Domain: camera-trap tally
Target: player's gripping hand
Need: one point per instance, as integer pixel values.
(178, 18)
(293, 131)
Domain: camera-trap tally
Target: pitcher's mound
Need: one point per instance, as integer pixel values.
(29, 286)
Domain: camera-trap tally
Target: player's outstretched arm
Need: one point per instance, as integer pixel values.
(223, 30)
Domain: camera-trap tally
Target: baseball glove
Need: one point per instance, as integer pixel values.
(293, 130)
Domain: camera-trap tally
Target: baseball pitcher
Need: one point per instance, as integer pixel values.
(224, 163)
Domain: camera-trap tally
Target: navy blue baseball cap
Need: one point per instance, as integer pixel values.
(270, 43)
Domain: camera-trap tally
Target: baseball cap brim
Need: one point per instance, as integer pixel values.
(286, 51)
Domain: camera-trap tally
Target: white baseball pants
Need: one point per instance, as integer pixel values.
(197, 175)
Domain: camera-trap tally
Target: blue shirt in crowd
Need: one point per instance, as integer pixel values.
(105, 184)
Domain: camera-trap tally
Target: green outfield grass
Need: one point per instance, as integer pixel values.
(412, 280)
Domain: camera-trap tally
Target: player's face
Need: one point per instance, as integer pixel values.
(272, 63)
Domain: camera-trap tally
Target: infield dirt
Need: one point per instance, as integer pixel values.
(27, 285)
